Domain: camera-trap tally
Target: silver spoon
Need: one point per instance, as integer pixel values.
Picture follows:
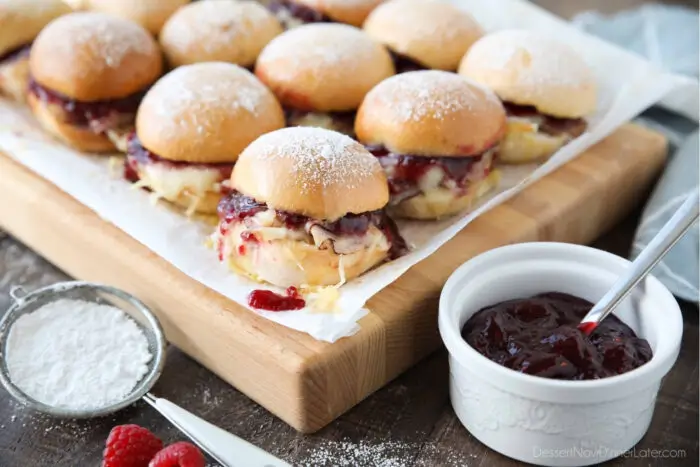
(661, 244)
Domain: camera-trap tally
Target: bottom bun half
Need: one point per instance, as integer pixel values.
(83, 139)
(289, 262)
(443, 202)
(14, 77)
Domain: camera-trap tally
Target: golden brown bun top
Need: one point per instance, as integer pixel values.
(206, 113)
(151, 14)
(351, 12)
(218, 30)
(91, 56)
(21, 20)
(311, 171)
(431, 113)
(433, 33)
(323, 67)
(526, 68)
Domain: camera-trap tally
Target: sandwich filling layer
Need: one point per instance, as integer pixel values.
(114, 118)
(410, 175)
(15, 54)
(292, 14)
(532, 135)
(403, 63)
(342, 122)
(173, 180)
(245, 224)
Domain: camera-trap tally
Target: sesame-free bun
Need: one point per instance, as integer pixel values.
(218, 30)
(526, 68)
(21, 20)
(351, 12)
(90, 56)
(431, 113)
(14, 76)
(81, 138)
(151, 14)
(206, 113)
(311, 171)
(323, 67)
(433, 33)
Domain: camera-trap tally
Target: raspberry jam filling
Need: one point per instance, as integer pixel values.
(137, 155)
(271, 301)
(552, 126)
(539, 336)
(96, 115)
(402, 63)
(15, 54)
(303, 13)
(236, 207)
(405, 171)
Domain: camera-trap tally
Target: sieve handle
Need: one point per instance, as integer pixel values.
(222, 446)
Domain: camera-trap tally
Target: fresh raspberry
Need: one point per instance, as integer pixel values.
(130, 446)
(182, 454)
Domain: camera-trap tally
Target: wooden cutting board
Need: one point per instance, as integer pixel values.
(305, 382)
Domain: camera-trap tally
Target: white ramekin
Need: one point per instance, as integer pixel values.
(544, 421)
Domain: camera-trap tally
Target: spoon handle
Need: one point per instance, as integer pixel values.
(670, 233)
(227, 449)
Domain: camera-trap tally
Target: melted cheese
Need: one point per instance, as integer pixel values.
(523, 142)
(171, 183)
(120, 138)
(322, 120)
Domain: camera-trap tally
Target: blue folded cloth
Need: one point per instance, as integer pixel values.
(667, 36)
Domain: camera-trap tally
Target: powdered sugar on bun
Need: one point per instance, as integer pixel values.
(206, 112)
(22, 20)
(323, 67)
(94, 56)
(311, 171)
(434, 33)
(218, 30)
(527, 68)
(431, 113)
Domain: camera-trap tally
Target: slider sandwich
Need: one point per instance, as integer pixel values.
(218, 31)
(546, 87)
(293, 13)
(423, 34)
(436, 134)
(89, 72)
(321, 72)
(191, 127)
(151, 14)
(306, 209)
(20, 23)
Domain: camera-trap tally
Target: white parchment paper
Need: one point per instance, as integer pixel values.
(628, 85)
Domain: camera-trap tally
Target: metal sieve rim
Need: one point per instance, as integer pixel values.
(53, 292)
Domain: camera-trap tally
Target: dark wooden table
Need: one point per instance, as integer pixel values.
(408, 423)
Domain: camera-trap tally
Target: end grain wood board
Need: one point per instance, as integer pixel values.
(305, 382)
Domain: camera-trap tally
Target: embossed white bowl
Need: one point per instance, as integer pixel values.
(544, 421)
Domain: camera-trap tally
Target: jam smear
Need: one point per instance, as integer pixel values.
(137, 155)
(403, 64)
(15, 54)
(301, 12)
(552, 126)
(89, 114)
(407, 170)
(271, 301)
(235, 207)
(539, 336)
